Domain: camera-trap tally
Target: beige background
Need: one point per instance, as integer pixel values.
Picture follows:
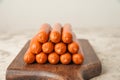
(26, 14)
(95, 20)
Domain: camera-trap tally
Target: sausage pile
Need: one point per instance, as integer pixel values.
(57, 44)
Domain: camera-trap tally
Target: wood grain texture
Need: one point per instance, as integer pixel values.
(91, 67)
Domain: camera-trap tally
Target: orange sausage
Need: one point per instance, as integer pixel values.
(77, 58)
(29, 57)
(41, 58)
(67, 34)
(55, 35)
(65, 58)
(60, 48)
(35, 46)
(47, 47)
(74, 46)
(43, 34)
(53, 58)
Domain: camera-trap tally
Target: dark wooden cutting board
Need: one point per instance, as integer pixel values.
(91, 67)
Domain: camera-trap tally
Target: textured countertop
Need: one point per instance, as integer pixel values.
(105, 41)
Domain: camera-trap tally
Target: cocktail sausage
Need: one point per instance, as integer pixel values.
(77, 58)
(41, 58)
(67, 33)
(74, 46)
(35, 46)
(60, 48)
(47, 47)
(29, 57)
(55, 35)
(53, 58)
(65, 58)
(43, 34)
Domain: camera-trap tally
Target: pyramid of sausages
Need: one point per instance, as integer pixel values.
(54, 45)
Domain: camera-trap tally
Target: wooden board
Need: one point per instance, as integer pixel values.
(91, 67)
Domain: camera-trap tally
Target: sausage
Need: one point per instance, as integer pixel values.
(55, 35)
(41, 58)
(60, 48)
(47, 47)
(43, 34)
(65, 58)
(35, 46)
(77, 58)
(67, 33)
(74, 46)
(29, 57)
(53, 58)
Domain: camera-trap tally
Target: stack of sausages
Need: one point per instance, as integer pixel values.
(54, 45)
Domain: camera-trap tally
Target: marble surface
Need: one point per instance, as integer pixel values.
(105, 41)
